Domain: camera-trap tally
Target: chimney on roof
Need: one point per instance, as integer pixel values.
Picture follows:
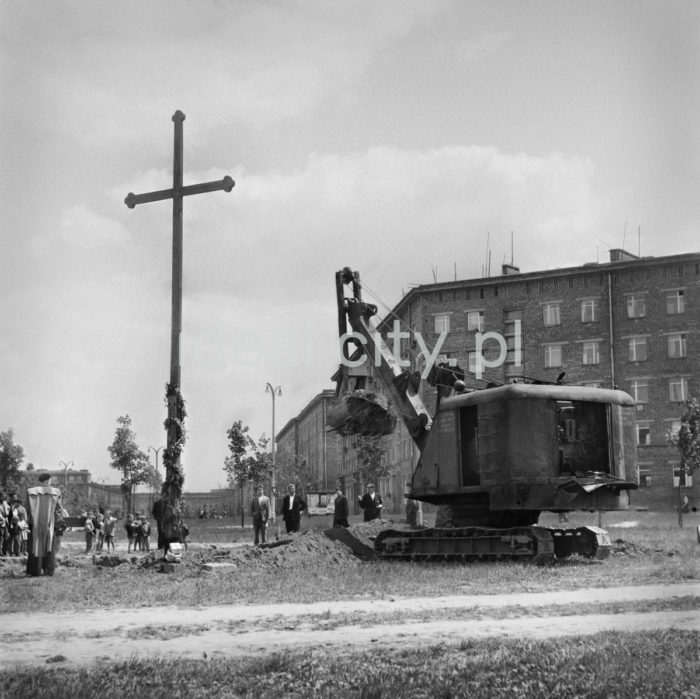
(620, 255)
(509, 269)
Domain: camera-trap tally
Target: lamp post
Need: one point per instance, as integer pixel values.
(65, 479)
(65, 466)
(155, 451)
(274, 391)
(105, 491)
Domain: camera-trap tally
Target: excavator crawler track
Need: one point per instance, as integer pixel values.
(531, 544)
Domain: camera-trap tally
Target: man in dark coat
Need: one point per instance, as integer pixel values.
(371, 503)
(292, 507)
(341, 510)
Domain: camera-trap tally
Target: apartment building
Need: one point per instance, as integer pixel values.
(305, 439)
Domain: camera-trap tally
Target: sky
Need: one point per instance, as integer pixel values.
(406, 139)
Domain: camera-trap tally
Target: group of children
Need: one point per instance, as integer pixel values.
(14, 527)
(99, 532)
(138, 533)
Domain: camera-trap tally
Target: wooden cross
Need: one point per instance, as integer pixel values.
(176, 194)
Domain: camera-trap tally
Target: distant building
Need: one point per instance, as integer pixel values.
(305, 439)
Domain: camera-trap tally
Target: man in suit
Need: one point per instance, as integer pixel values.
(260, 509)
(371, 503)
(292, 507)
(341, 510)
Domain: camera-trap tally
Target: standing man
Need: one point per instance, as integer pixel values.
(292, 507)
(341, 509)
(260, 509)
(44, 509)
(371, 503)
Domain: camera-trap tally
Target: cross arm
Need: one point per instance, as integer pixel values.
(225, 184)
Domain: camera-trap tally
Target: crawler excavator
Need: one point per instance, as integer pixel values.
(491, 459)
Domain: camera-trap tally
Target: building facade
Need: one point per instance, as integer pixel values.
(631, 323)
(305, 441)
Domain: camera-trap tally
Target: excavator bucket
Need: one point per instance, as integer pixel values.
(361, 412)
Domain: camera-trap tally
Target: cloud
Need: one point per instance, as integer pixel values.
(484, 45)
(395, 213)
(82, 228)
(242, 63)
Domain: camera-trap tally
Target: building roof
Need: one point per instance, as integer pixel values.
(324, 395)
(620, 260)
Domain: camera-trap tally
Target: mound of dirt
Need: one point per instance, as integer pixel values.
(308, 549)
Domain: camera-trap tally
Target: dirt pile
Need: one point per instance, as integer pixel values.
(305, 550)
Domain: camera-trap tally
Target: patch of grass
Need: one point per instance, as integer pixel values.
(654, 552)
(604, 666)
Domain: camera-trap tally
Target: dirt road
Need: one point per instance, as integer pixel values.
(81, 639)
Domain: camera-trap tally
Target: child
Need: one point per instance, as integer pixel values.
(23, 534)
(14, 536)
(109, 531)
(100, 532)
(145, 531)
(184, 533)
(130, 529)
(89, 529)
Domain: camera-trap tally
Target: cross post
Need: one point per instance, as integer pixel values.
(172, 490)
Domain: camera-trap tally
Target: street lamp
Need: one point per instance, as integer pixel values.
(274, 391)
(65, 466)
(105, 490)
(155, 451)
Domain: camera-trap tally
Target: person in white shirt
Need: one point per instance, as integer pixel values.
(260, 509)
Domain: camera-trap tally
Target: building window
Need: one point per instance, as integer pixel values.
(637, 349)
(636, 307)
(589, 310)
(681, 479)
(675, 302)
(442, 323)
(643, 434)
(550, 314)
(552, 355)
(678, 390)
(639, 390)
(471, 358)
(475, 320)
(675, 427)
(509, 332)
(644, 478)
(591, 352)
(676, 345)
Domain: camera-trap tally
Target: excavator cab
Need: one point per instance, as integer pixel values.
(526, 448)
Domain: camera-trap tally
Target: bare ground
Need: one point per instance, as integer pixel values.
(120, 634)
(80, 639)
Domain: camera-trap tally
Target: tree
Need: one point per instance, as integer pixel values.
(370, 453)
(249, 460)
(152, 478)
(11, 457)
(686, 441)
(293, 468)
(128, 458)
